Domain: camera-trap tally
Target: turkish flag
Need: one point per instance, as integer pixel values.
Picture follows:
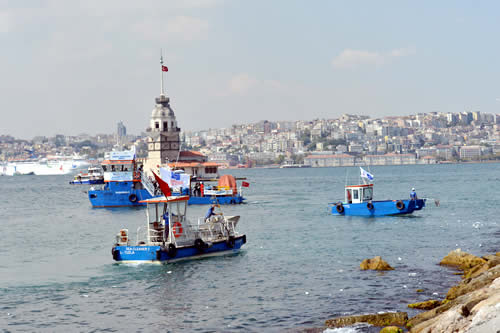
(164, 68)
(163, 185)
(245, 184)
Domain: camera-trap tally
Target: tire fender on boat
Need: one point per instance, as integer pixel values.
(340, 208)
(132, 197)
(369, 205)
(400, 205)
(172, 250)
(232, 202)
(231, 241)
(200, 245)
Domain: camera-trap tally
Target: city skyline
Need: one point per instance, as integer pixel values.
(93, 64)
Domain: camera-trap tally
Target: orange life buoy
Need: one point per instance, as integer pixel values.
(124, 239)
(177, 229)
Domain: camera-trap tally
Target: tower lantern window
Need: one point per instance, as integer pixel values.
(165, 125)
(157, 125)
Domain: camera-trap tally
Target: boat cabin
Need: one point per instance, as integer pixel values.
(166, 219)
(358, 193)
(121, 166)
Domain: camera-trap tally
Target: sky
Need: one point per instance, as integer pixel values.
(71, 67)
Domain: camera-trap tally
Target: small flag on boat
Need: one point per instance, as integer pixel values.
(164, 68)
(366, 174)
(245, 184)
(163, 186)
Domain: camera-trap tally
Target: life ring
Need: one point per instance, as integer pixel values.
(171, 251)
(177, 229)
(132, 197)
(400, 205)
(369, 205)
(124, 239)
(340, 208)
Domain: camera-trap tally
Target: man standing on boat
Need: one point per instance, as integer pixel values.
(210, 213)
(413, 194)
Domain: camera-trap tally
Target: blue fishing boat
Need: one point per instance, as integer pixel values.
(125, 184)
(169, 236)
(359, 201)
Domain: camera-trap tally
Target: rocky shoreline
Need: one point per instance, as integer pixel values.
(472, 306)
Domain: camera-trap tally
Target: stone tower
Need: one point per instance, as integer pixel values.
(164, 140)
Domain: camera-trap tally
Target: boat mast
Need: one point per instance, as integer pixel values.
(161, 71)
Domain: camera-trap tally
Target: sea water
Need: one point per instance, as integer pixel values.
(300, 265)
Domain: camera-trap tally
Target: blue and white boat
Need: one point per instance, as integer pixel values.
(169, 236)
(359, 201)
(125, 183)
(93, 176)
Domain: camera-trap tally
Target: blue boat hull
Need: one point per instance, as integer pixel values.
(159, 254)
(118, 194)
(237, 199)
(378, 208)
(89, 182)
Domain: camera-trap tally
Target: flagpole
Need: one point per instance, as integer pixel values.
(161, 71)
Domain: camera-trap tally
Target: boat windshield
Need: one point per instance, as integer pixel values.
(367, 193)
(118, 167)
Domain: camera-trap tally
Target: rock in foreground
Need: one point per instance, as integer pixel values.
(461, 260)
(473, 306)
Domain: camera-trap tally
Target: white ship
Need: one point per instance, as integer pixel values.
(50, 165)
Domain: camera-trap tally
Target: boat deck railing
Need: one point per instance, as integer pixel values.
(148, 185)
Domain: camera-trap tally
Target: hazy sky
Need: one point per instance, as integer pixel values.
(81, 66)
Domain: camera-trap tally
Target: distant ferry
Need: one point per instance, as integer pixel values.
(287, 166)
(50, 165)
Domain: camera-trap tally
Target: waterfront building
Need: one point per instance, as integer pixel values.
(470, 152)
(316, 160)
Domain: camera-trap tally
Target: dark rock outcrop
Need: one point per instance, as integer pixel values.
(427, 305)
(382, 319)
(376, 263)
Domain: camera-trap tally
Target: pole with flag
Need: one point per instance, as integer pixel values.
(365, 174)
(163, 69)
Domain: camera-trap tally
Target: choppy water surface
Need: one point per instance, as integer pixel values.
(299, 267)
